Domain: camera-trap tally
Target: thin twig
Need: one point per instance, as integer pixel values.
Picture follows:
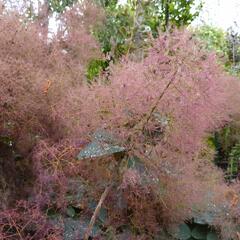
(238, 235)
(96, 212)
(141, 125)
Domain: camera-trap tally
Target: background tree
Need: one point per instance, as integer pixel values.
(128, 26)
(44, 11)
(233, 40)
(214, 39)
(60, 5)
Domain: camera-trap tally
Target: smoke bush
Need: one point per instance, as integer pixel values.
(34, 75)
(162, 109)
(34, 78)
(26, 221)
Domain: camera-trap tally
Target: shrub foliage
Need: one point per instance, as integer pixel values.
(161, 109)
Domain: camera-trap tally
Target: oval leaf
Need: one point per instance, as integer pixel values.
(70, 211)
(200, 232)
(184, 232)
(212, 236)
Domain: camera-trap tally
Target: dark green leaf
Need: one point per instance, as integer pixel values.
(97, 149)
(70, 211)
(183, 232)
(73, 229)
(200, 232)
(212, 236)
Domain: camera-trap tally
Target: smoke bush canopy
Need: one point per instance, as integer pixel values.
(161, 108)
(177, 79)
(189, 90)
(35, 75)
